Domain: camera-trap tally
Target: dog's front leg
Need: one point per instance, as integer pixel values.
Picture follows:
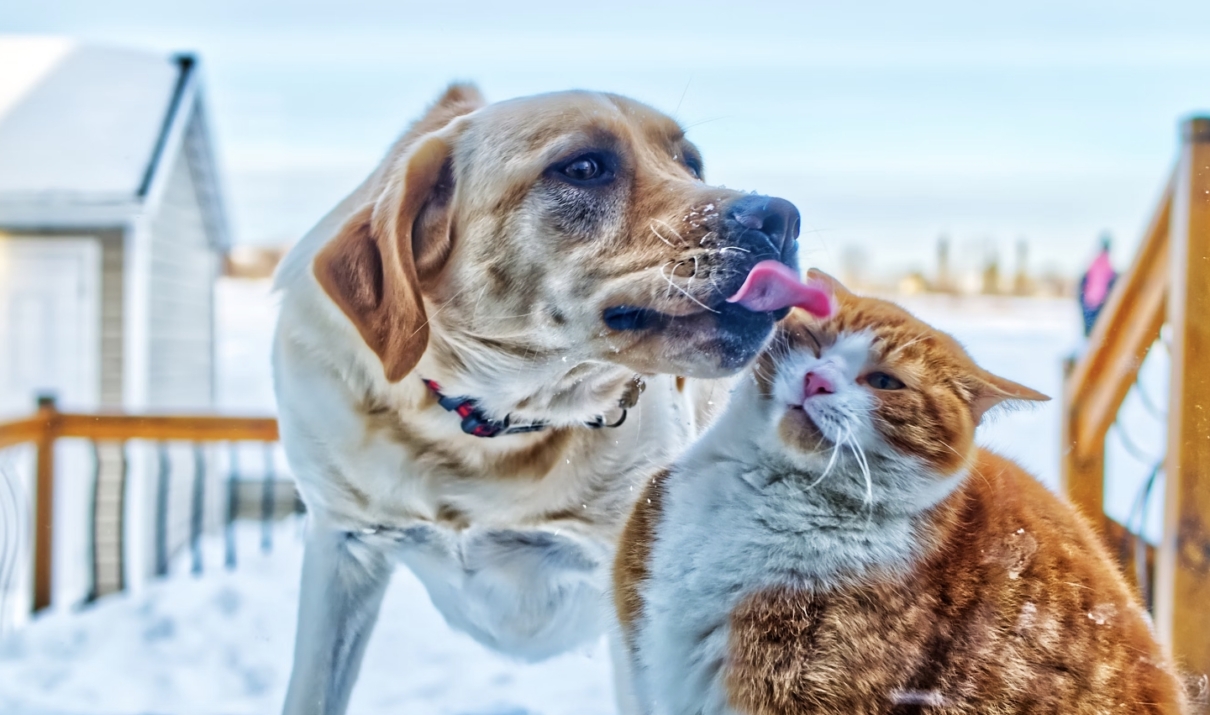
(343, 581)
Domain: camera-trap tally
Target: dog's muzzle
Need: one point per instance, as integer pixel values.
(757, 228)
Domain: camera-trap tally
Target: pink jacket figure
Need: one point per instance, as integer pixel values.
(1096, 285)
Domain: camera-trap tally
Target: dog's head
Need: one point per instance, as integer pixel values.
(563, 230)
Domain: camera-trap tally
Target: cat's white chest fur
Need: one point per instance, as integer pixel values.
(732, 526)
(700, 569)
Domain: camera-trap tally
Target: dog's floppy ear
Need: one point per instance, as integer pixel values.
(374, 268)
(459, 98)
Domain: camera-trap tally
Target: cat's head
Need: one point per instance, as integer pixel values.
(874, 379)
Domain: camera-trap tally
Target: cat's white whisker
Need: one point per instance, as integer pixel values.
(863, 464)
(827, 468)
(900, 348)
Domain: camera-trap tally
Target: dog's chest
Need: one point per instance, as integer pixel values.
(528, 592)
(522, 564)
(518, 554)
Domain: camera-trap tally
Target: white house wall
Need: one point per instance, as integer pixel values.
(183, 269)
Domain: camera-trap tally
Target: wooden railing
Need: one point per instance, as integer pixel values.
(48, 425)
(1168, 283)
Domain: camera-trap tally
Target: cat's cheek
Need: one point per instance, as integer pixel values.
(800, 434)
(934, 428)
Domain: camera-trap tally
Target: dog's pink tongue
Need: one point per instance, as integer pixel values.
(772, 285)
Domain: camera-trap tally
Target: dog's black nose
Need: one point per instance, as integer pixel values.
(776, 218)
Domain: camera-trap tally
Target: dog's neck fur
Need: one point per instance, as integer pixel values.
(560, 391)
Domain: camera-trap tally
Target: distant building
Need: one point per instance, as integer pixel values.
(945, 281)
(1022, 283)
(112, 228)
(253, 262)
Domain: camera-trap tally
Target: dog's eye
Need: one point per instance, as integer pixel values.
(695, 166)
(587, 170)
(883, 381)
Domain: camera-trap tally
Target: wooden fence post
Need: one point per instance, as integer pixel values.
(44, 511)
(1097, 384)
(1182, 605)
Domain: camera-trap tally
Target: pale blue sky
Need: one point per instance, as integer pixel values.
(887, 123)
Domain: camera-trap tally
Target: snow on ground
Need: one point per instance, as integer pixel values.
(221, 643)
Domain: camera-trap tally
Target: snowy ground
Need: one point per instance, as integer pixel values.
(220, 644)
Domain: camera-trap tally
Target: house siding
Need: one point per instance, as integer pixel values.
(181, 337)
(113, 250)
(183, 270)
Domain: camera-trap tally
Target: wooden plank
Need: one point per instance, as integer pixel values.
(21, 431)
(1183, 564)
(1082, 472)
(1136, 557)
(1126, 329)
(44, 504)
(194, 428)
(119, 427)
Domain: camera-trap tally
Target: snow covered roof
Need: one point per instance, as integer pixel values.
(85, 130)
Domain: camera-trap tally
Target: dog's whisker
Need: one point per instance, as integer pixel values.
(660, 236)
(685, 292)
(674, 232)
(429, 318)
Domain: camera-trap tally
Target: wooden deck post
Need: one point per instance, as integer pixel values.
(44, 511)
(1082, 468)
(1182, 605)
(1097, 384)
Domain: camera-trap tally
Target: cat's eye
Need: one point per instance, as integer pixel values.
(883, 381)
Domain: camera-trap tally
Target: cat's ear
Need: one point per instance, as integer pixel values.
(834, 286)
(993, 389)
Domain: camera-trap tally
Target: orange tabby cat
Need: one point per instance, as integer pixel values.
(838, 544)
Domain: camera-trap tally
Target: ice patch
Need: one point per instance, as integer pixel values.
(1102, 614)
(931, 698)
(1019, 550)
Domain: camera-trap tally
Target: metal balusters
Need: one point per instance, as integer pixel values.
(93, 592)
(163, 484)
(123, 482)
(232, 505)
(267, 499)
(198, 510)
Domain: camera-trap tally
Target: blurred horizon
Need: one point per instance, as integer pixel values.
(888, 126)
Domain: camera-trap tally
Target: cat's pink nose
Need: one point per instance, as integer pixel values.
(817, 384)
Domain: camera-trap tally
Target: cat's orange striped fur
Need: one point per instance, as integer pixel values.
(850, 549)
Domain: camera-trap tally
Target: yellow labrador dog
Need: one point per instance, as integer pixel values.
(459, 360)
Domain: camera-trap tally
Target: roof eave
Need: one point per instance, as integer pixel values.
(178, 136)
(55, 214)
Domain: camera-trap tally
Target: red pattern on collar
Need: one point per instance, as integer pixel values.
(477, 424)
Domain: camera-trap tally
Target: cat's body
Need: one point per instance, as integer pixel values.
(765, 574)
